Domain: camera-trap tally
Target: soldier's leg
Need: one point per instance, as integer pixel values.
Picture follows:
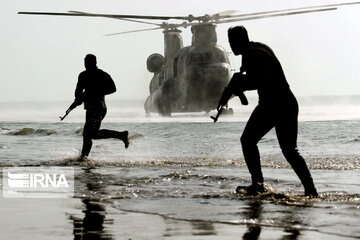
(286, 131)
(258, 125)
(106, 133)
(86, 148)
(91, 127)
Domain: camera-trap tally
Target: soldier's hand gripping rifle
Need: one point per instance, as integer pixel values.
(234, 87)
(76, 103)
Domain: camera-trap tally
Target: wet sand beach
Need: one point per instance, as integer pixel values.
(104, 207)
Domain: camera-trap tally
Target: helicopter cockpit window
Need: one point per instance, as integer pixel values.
(207, 57)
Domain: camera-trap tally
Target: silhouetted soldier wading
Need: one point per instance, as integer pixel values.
(92, 86)
(277, 108)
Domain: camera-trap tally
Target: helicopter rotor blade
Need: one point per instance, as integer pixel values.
(291, 10)
(275, 15)
(220, 18)
(226, 20)
(190, 18)
(105, 15)
(226, 13)
(123, 19)
(255, 17)
(133, 31)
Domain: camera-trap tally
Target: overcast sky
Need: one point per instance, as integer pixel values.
(41, 56)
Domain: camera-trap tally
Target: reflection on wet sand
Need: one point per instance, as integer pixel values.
(91, 226)
(203, 228)
(176, 227)
(253, 213)
(117, 205)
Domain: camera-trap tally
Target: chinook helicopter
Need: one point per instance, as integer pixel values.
(192, 78)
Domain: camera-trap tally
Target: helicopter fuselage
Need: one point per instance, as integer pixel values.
(191, 80)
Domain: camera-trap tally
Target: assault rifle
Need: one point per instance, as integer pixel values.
(72, 106)
(234, 87)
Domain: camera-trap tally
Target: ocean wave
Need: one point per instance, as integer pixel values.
(30, 131)
(4, 130)
(284, 198)
(338, 162)
(275, 162)
(141, 162)
(135, 135)
(188, 175)
(79, 131)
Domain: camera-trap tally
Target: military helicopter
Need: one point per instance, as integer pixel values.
(192, 78)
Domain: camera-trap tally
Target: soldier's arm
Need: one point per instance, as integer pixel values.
(235, 87)
(79, 92)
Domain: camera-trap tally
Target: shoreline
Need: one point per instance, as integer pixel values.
(75, 218)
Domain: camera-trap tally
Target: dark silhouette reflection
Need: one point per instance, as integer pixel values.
(199, 228)
(293, 234)
(253, 212)
(292, 217)
(277, 108)
(203, 228)
(91, 226)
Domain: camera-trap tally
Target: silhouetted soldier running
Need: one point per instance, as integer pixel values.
(92, 86)
(277, 108)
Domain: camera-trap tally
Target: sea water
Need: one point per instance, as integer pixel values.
(186, 168)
